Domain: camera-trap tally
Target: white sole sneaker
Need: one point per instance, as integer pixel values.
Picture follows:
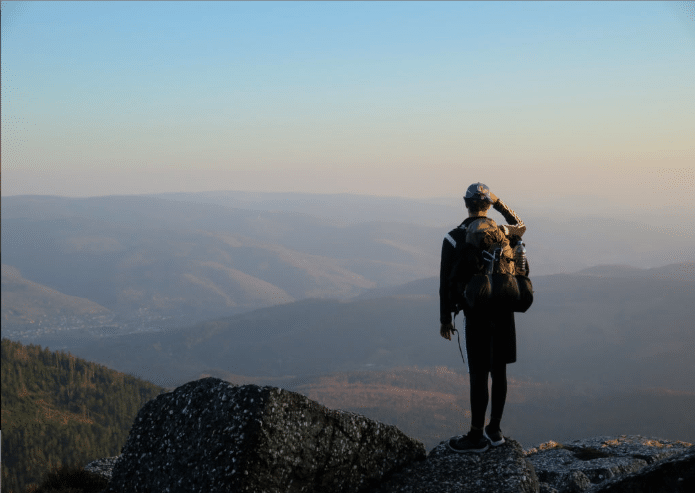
(492, 442)
(461, 445)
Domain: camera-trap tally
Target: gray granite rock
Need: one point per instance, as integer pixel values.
(210, 436)
(498, 470)
(546, 488)
(578, 465)
(675, 474)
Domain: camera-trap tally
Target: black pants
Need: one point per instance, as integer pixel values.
(480, 396)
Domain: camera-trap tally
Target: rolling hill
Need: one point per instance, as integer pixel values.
(130, 254)
(206, 255)
(627, 332)
(26, 302)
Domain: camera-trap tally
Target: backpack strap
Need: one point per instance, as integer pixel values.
(452, 241)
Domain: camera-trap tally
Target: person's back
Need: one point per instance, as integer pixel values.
(490, 333)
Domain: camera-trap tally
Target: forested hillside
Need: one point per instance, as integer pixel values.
(59, 409)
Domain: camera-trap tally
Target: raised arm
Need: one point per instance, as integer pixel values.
(515, 226)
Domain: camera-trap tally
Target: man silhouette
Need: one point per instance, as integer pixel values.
(490, 334)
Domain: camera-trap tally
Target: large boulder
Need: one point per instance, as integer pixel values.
(210, 436)
(502, 469)
(580, 465)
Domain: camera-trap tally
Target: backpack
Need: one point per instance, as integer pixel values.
(485, 275)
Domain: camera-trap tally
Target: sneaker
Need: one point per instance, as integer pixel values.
(495, 436)
(468, 443)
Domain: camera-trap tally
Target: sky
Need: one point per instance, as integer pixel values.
(573, 101)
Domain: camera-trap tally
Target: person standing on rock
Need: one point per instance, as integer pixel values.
(490, 334)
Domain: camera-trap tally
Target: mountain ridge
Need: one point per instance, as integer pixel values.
(57, 408)
(25, 301)
(678, 271)
(143, 252)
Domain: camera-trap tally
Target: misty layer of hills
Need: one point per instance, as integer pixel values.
(625, 328)
(330, 294)
(130, 254)
(205, 255)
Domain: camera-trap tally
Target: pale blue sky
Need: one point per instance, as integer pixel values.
(411, 99)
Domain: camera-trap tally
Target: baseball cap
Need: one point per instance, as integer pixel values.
(478, 191)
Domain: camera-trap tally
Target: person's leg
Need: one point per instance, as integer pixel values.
(474, 441)
(499, 395)
(479, 399)
(477, 338)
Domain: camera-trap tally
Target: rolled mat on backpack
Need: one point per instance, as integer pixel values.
(501, 291)
(525, 293)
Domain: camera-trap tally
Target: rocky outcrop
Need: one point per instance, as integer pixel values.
(582, 465)
(501, 469)
(673, 475)
(210, 436)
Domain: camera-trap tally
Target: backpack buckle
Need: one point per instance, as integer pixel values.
(490, 258)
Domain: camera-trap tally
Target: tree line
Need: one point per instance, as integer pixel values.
(59, 409)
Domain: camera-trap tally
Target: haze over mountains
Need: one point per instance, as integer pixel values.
(173, 258)
(583, 329)
(25, 300)
(198, 256)
(330, 293)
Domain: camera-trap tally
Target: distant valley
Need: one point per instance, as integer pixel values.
(432, 404)
(182, 258)
(620, 330)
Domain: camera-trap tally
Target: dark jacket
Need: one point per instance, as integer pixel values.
(490, 335)
(515, 227)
